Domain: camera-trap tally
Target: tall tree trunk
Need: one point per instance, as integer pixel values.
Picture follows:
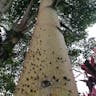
(47, 69)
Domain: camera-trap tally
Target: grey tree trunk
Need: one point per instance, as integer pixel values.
(47, 69)
(4, 5)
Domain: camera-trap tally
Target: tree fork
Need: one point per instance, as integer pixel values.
(47, 70)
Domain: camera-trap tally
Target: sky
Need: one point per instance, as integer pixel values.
(81, 86)
(91, 31)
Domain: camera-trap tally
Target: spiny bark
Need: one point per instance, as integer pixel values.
(47, 69)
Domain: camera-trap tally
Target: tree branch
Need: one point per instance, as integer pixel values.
(23, 23)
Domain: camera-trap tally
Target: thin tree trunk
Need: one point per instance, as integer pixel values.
(47, 69)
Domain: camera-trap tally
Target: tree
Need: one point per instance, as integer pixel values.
(74, 21)
(77, 20)
(19, 20)
(15, 35)
(4, 5)
(47, 69)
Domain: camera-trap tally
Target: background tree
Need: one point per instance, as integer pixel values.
(13, 46)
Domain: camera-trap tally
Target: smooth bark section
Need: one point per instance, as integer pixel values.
(47, 69)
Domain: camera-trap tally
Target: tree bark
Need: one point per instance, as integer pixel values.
(24, 21)
(47, 70)
(4, 5)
